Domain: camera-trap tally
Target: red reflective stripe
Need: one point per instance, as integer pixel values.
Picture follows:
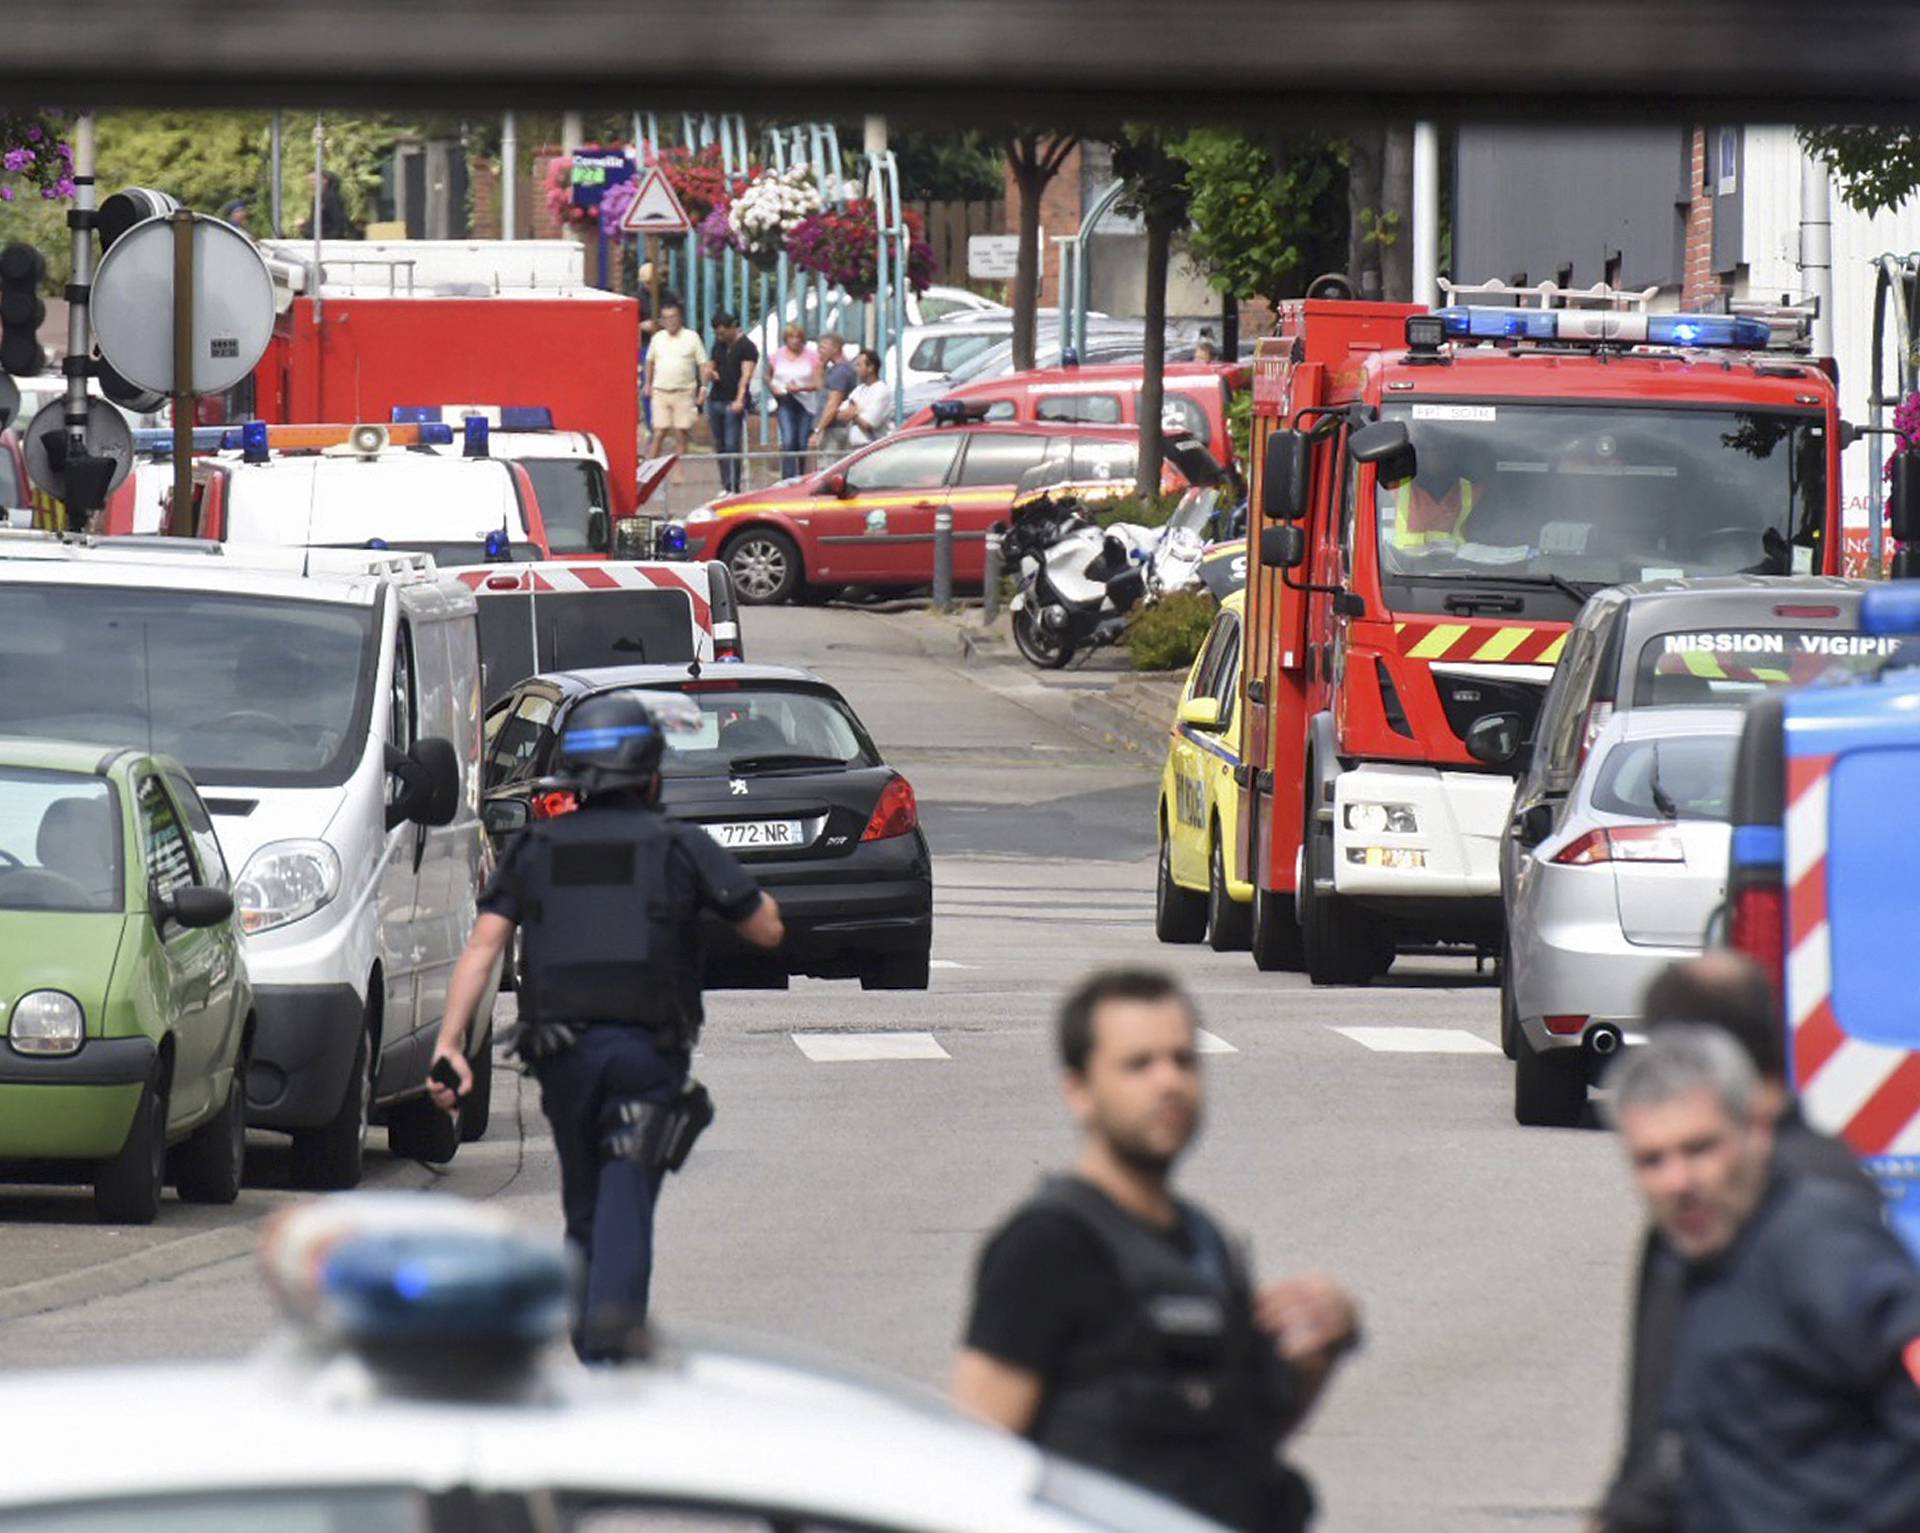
(471, 579)
(1803, 772)
(1807, 905)
(1815, 1041)
(1888, 1110)
(594, 579)
(541, 583)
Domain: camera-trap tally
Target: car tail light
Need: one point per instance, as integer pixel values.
(1791, 610)
(895, 814)
(1565, 1027)
(550, 806)
(709, 686)
(1598, 712)
(1625, 843)
(1759, 928)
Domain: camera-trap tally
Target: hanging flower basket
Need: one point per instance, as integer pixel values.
(843, 246)
(774, 204)
(699, 179)
(34, 156)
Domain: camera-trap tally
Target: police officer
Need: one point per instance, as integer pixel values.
(1793, 1400)
(1116, 1324)
(609, 901)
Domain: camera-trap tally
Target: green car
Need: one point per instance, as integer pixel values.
(125, 997)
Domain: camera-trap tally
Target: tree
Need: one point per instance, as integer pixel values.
(1267, 215)
(1875, 168)
(1366, 157)
(1035, 158)
(1155, 182)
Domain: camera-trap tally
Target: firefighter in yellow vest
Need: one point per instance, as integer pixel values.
(1423, 518)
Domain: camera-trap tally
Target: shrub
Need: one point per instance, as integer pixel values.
(1168, 634)
(1143, 510)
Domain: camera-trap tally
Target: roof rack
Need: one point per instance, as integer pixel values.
(1791, 322)
(1599, 296)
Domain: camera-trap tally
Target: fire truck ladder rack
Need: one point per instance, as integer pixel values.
(1544, 294)
(1791, 322)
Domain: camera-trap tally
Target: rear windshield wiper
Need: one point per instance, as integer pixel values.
(776, 760)
(1663, 803)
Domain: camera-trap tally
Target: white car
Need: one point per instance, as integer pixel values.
(1611, 886)
(421, 1390)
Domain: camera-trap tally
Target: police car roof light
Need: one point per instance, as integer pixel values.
(474, 433)
(526, 418)
(159, 439)
(444, 1287)
(253, 442)
(1891, 609)
(498, 545)
(1478, 322)
(299, 438)
(415, 415)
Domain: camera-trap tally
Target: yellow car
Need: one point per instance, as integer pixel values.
(1199, 891)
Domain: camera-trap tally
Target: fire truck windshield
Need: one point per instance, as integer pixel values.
(1583, 496)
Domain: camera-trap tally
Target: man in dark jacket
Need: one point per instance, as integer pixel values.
(1792, 1401)
(1729, 991)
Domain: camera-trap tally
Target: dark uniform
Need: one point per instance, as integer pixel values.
(1643, 1496)
(1145, 1339)
(1793, 1403)
(609, 902)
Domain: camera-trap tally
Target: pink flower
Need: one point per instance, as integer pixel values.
(6, 194)
(18, 159)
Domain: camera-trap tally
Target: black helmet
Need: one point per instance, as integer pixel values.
(611, 741)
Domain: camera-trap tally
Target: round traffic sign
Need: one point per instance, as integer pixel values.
(108, 436)
(133, 306)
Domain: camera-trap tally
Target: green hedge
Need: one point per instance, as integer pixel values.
(1168, 634)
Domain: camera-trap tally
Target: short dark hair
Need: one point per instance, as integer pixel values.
(870, 355)
(671, 303)
(1075, 1028)
(1730, 991)
(726, 319)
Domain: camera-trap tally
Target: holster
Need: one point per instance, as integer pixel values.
(531, 1042)
(658, 1135)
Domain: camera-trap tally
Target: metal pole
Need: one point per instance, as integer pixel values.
(943, 558)
(1816, 247)
(79, 328)
(277, 200)
(181, 522)
(571, 132)
(1426, 214)
(509, 178)
(319, 181)
(995, 572)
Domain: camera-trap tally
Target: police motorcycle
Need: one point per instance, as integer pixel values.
(1078, 581)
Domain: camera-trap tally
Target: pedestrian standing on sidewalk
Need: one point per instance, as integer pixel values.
(1794, 1395)
(830, 426)
(793, 378)
(675, 358)
(869, 408)
(729, 377)
(1114, 1323)
(609, 901)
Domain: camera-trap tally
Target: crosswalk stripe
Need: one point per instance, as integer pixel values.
(1419, 1040)
(946, 963)
(1205, 1042)
(851, 1048)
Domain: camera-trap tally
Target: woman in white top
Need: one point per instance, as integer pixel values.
(793, 378)
(868, 411)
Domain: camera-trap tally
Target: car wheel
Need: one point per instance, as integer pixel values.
(1179, 915)
(765, 566)
(476, 1107)
(1228, 921)
(1509, 1008)
(1275, 938)
(899, 971)
(1041, 647)
(331, 1158)
(1343, 943)
(1549, 1086)
(417, 1130)
(208, 1167)
(127, 1186)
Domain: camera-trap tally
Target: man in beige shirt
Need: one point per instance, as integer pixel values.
(674, 360)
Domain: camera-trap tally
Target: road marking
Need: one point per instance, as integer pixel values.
(1419, 1040)
(846, 1048)
(1205, 1042)
(946, 963)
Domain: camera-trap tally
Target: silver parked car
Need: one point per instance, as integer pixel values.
(1611, 886)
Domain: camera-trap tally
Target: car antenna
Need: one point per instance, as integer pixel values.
(693, 669)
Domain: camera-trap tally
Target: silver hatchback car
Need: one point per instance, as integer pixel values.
(1610, 886)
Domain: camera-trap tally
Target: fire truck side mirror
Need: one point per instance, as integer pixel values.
(1283, 548)
(1386, 445)
(1283, 477)
(1903, 499)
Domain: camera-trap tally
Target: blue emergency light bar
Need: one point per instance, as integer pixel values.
(501, 417)
(1476, 322)
(474, 434)
(1891, 609)
(257, 437)
(447, 1287)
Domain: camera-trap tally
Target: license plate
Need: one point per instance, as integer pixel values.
(743, 834)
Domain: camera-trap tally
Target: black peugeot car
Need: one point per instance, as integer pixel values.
(775, 765)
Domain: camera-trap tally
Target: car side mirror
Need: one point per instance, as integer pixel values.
(429, 783)
(834, 484)
(1386, 445)
(1283, 548)
(599, 530)
(195, 906)
(1496, 739)
(1283, 477)
(1535, 824)
(1200, 712)
(504, 817)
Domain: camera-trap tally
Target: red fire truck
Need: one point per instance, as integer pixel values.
(1439, 493)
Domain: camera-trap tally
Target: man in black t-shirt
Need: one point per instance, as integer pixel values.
(729, 375)
(1114, 1323)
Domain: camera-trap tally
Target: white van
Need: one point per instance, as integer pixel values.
(292, 698)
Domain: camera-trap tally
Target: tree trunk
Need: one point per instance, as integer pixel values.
(1146, 474)
(1396, 203)
(1363, 207)
(1229, 327)
(1026, 277)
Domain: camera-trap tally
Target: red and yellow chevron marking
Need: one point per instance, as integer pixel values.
(1488, 643)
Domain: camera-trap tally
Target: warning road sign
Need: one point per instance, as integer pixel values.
(655, 209)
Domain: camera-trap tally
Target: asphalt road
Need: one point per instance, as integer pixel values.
(866, 1142)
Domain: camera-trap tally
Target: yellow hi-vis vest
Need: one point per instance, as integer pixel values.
(1434, 526)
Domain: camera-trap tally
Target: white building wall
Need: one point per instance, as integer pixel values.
(1771, 246)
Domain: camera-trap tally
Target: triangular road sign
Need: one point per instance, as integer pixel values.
(655, 209)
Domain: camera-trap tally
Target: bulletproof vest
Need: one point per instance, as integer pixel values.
(1189, 1399)
(608, 920)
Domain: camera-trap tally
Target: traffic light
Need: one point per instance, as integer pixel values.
(21, 270)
